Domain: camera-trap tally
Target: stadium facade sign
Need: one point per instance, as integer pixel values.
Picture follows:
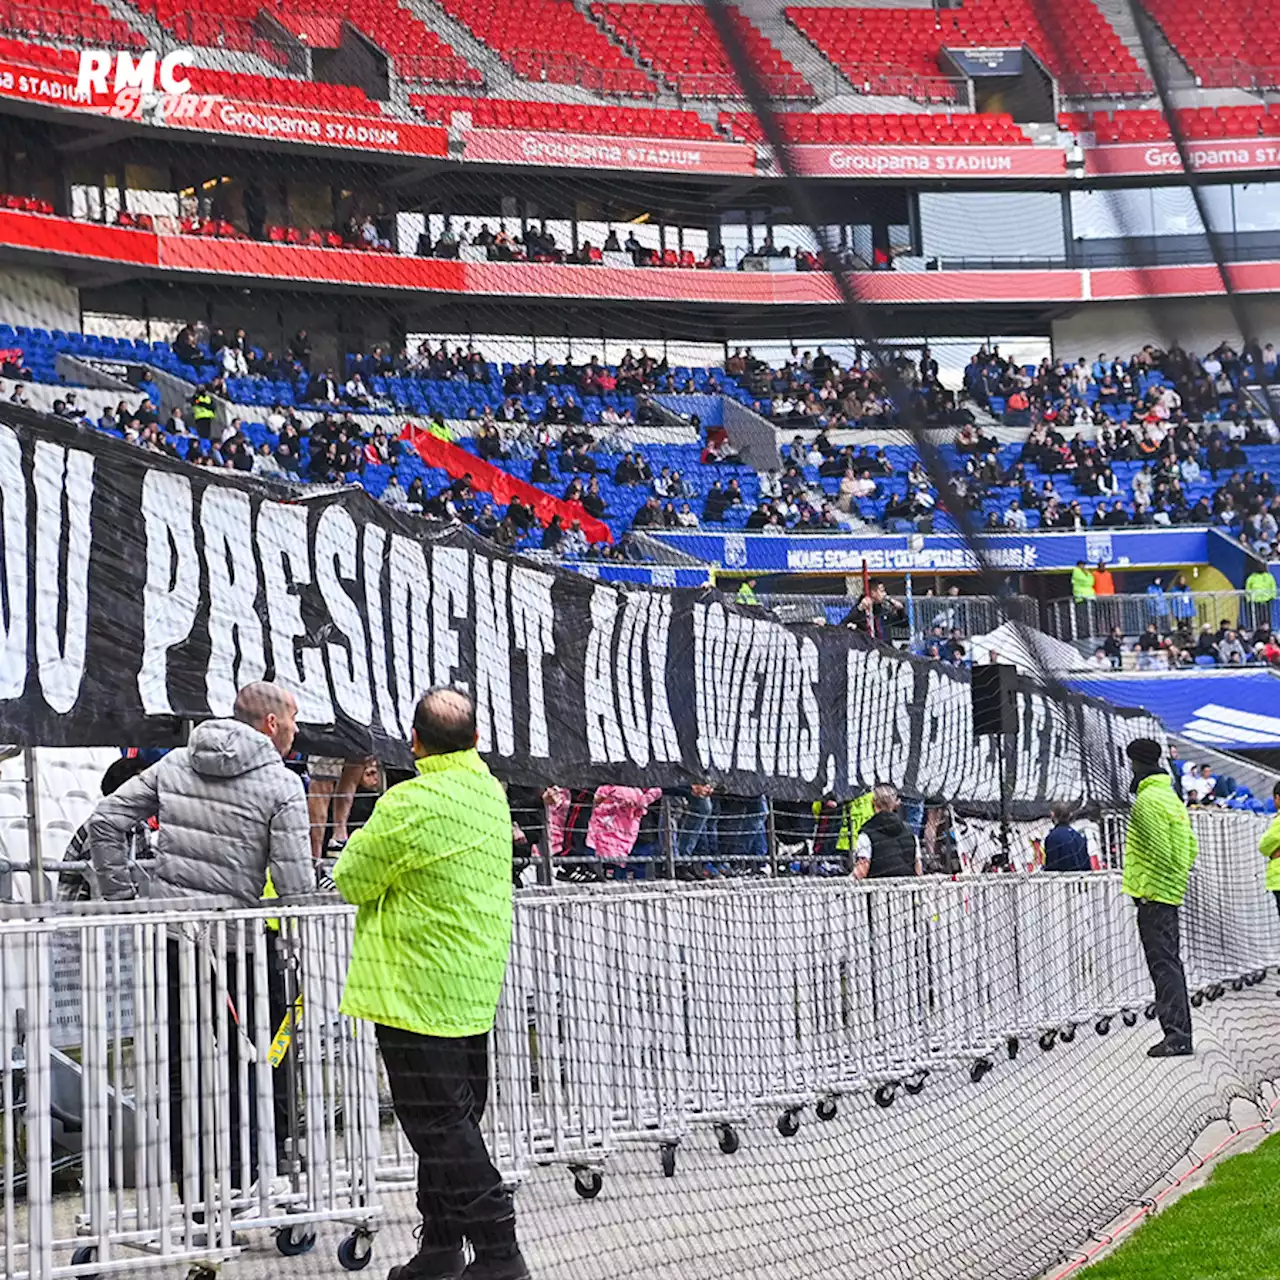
(929, 162)
(578, 151)
(1136, 159)
(143, 592)
(942, 553)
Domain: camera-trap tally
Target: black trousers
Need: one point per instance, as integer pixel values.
(232, 1045)
(439, 1087)
(1161, 943)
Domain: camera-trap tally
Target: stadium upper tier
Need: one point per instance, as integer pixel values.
(680, 42)
(637, 49)
(1196, 123)
(874, 47)
(921, 128)
(565, 117)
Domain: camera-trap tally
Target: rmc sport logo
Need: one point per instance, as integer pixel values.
(135, 83)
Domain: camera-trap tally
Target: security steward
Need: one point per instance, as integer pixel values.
(886, 846)
(1159, 851)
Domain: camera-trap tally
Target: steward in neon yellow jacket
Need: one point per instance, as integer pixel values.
(1082, 587)
(1270, 849)
(1161, 845)
(431, 875)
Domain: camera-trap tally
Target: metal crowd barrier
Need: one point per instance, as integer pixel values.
(140, 1045)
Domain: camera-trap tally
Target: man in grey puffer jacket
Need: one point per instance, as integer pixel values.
(230, 814)
(229, 810)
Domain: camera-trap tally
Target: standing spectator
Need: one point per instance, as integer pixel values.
(1270, 848)
(1103, 582)
(331, 790)
(1065, 848)
(232, 823)
(615, 820)
(431, 875)
(1260, 595)
(1159, 852)
(886, 846)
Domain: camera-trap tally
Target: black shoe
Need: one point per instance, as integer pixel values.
(498, 1264)
(431, 1264)
(1170, 1049)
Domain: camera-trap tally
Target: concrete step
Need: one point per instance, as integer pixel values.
(499, 78)
(796, 48)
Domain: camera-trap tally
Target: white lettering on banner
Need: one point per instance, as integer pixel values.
(40, 88)
(810, 738)
(533, 616)
(449, 580)
(666, 744)
(633, 706)
(1020, 556)
(236, 654)
(769, 727)
(876, 161)
(494, 716)
(604, 737)
(374, 546)
(171, 597)
(411, 600)
(336, 564)
(62, 477)
(13, 581)
(789, 714)
(286, 566)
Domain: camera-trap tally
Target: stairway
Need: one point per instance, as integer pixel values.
(826, 80)
(499, 79)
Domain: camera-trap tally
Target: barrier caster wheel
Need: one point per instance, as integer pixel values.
(1068, 1033)
(1129, 1017)
(1197, 998)
(885, 1095)
(1237, 984)
(1048, 1039)
(980, 1069)
(1216, 991)
(789, 1124)
(727, 1136)
(826, 1109)
(1149, 1012)
(295, 1241)
(587, 1182)
(914, 1087)
(1102, 1026)
(202, 1271)
(668, 1160)
(356, 1251)
(1011, 1047)
(82, 1257)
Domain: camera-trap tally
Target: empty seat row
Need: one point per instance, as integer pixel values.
(1226, 43)
(280, 90)
(565, 117)
(1196, 124)
(870, 128)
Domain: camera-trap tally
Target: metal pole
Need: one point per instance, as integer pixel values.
(911, 611)
(771, 837)
(669, 837)
(35, 849)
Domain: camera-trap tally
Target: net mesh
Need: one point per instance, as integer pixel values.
(581, 253)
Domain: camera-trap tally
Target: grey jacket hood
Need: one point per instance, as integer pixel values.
(229, 749)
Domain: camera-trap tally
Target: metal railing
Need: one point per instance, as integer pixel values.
(1173, 613)
(972, 615)
(1105, 84)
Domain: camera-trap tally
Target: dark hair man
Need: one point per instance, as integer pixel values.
(431, 875)
(1159, 850)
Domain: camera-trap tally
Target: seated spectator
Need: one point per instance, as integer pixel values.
(1113, 647)
(686, 517)
(715, 504)
(486, 523)
(1230, 650)
(1206, 645)
(648, 516)
(553, 535)
(1015, 517)
(540, 472)
(1100, 661)
(1199, 784)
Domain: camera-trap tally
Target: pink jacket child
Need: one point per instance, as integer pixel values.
(615, 820)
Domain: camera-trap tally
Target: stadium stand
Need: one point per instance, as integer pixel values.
(565, 117)
(876, 47)
(872, 128)
(681, 44)
(551, 41)
(418, 53)
(1226, 43)
(282, 91)
(1197, 123)
(81, 22)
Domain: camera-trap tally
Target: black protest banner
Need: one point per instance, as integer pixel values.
(139, 593)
